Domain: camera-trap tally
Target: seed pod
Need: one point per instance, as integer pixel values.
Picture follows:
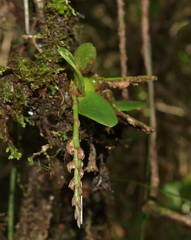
(74, 201)
(81, 154)
(71, 184)
(79, 190)
(70, 166)
(70, 147)
(76, 216)
(81, 172)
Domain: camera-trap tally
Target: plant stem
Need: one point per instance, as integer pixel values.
(11, 203)
(77, 199)
(152, 164)
(152, 152)
(26, 13)
(76, 122)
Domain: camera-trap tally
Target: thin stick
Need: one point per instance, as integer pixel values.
(129, 79)
(11, 203)
(146, 48)
(26, 13)
(40, 9)
(122, 42)
(39, 4)
(152, 165)
(133, 122)
(122, 37)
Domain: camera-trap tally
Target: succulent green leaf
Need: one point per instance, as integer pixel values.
(89, 84)
(85, 57)
(77, 74)
(128, 105)
(95, 107)
(67, 56)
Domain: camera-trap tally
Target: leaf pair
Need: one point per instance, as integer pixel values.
(92, 105)
(78, 78)
(81, 62)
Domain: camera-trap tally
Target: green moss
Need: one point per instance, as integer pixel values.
(32, 73)
(14, 153)
(3, 69)
(62, 7)
(39, 84)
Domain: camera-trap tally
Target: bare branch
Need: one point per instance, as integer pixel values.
(122, 42)
(133, 122)
(122, 37)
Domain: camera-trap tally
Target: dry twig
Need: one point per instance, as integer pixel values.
(122, 37)
(122, 41)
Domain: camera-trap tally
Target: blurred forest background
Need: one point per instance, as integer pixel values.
(120, 215)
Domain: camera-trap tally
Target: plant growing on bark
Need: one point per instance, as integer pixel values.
(52, 98)
(89, 101)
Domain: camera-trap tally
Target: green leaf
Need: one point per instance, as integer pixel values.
(129, 105)
(90, 84)
(95, 107)
(77, 74)
(85, 57)
(67, 56)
